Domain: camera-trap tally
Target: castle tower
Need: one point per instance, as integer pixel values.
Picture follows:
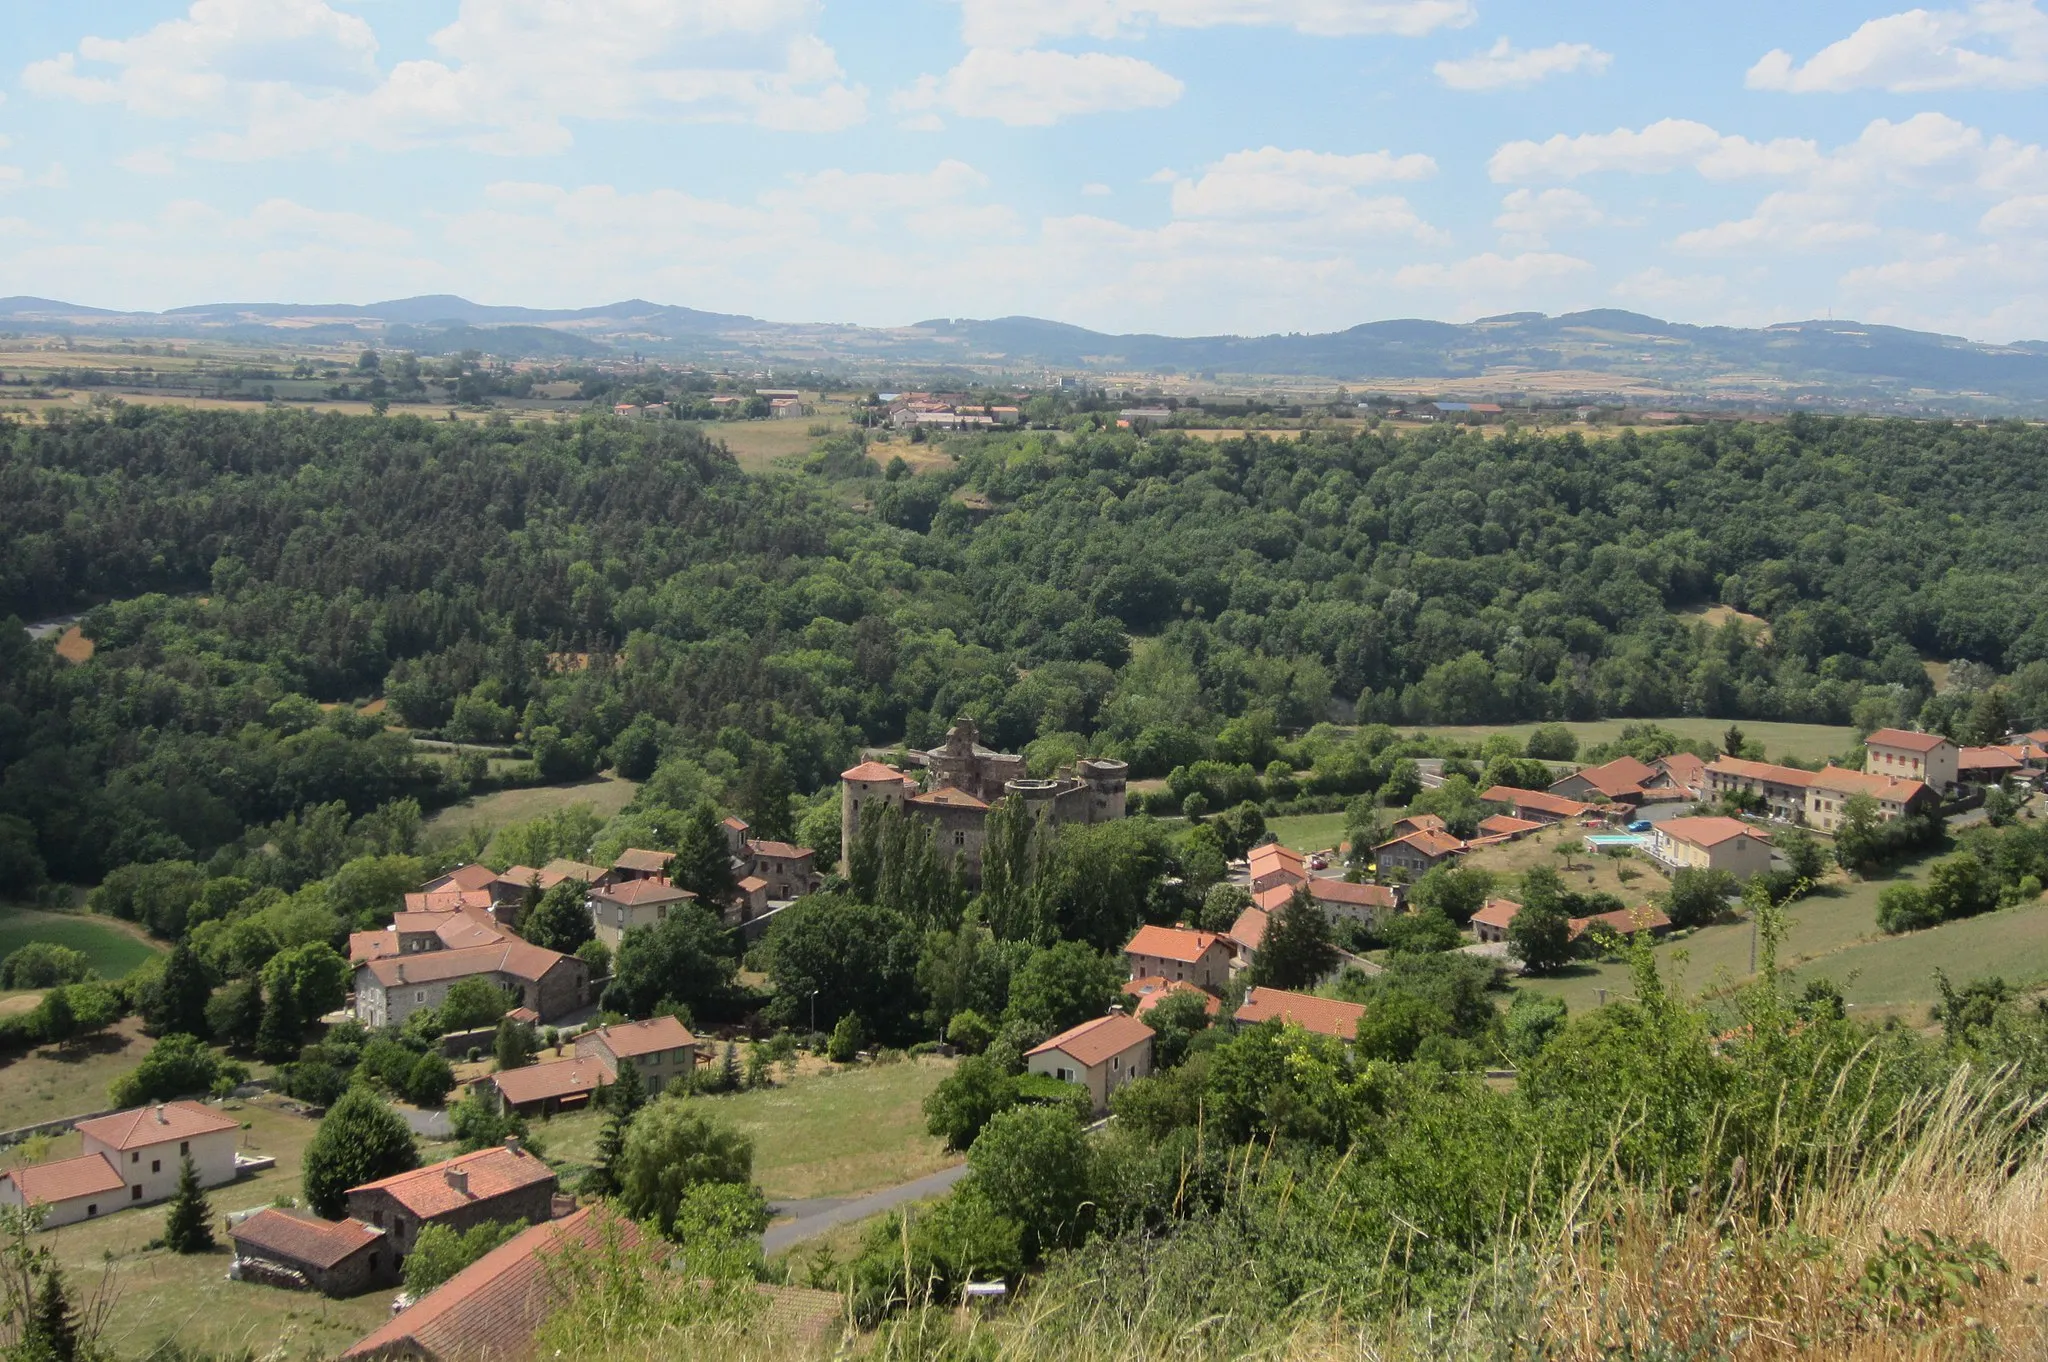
(866, 787)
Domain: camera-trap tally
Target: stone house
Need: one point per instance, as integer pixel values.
(391, 989)
(1179, 954)
(661, 1049)
(491, 1186)
(338, 1258)
(618, 908)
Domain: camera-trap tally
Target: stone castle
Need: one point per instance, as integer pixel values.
(963, 779)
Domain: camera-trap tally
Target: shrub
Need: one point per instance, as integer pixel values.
(359, 1140)
(429, 1082)
(43, 964)
(1905, 908)
(672, 1147)
(844, 1047)
(440, 1252)
(176, 1066)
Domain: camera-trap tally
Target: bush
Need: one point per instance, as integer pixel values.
(844, 1047)
(440, 1252)
(672, 1147)
(970, 1032)
(1552, 742)
(359, 1140)
(960, 1106)
(473, 1003)
(429, 1082)
(176, 1066)
(43, 964)
(1905, 908)
(1031, 1163)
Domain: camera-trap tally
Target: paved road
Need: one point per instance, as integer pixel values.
(814, 1218)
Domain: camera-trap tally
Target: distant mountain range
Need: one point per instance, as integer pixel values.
(1589, 355)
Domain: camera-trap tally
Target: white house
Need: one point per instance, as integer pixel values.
(131, 1158)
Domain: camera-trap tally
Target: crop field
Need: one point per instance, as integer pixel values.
(115, 949)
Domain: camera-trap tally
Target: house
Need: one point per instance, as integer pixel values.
(1418, 853)
(1419, 822)
(338, 1258)
(391, 989)
(1491, 922)
(1712, 844)
(1784, 789)
(472, 877)
(1366, 904)
(1507, 827)
(1625, 922)
(1273, 865)
(555, 871)
(1101, 1055)
(1324, 1016)
(660, 1048)
(544, 1089)
(616, 909)
(491, 1310)
(450, 901)
(1247, 934)
(1619, 781)
(1680, 775)
(1828, 795)
(491, 1186)
(1536, 806)
(1198, 958)
(1926, 757)
(634, 864)
(751, 899)
(788, 871)
(1986, 766)
(735, 830)
(1147, 994)
(69, 1190)
(416, 933)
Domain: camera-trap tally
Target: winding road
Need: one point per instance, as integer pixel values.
(813, 1218)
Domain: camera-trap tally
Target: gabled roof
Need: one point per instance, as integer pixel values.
(520, 875)
(1435, 845)
(1094, 1042)
(490, 1311)
(1421, 822)
(1708, 832)
(1763, 771)
(642, 861)
(752, 884)
(1155, 989)
(1988, 759)
(1273, 898)
(1325, 1016)
(555, 1079)
(519, 959)
(872, 770)
(1497, 913)
(65, 1179)
(555, 871)
(1506, 825)
(1905, 740)
(1557, 806)
(366, 946)
(142, 1127)
(302, 1239)
(1172, 943)
(736, 824)
(494, 1172)
(1895, 789)
(1352, 895)
(447, 900)
(1273, 851)
(641, 1037)
(781, 851)
(463, 877)
(1683, 769)
(632, 893)
(1627, 921)
(948, 797)
(1617, 778)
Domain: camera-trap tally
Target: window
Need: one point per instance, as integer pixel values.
(420, 996)
(92, 1208)
(135, 1156)
(959, 839)
(184, 1148)
(135, 1192)
(156, 1165)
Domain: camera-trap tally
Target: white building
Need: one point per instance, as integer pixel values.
(131, 1158)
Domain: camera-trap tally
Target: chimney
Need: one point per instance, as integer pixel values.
(160, 1118)
(458, 1179)
(512, 1143)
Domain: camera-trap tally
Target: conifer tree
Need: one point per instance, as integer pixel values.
(50, 1334)
(188, 1225)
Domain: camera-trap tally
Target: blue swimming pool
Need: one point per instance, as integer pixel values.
(1603, 841)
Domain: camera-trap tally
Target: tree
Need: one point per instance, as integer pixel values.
(235, 1014)
(847, 1037)
(1062, 986)
(360, 1140)
(441, 1251)
(1990, 719)
(1732, 742)
(1958, 887)
(1698, 897)
(1297, 951)
(188, 1224)
(561, 920)
(475, 1002)
(1857, 840)
(682, 959)
(672, 1147)
(1803, 855)
(703, 863)
(1540, 934)
(1552, 742)
(50, 1332)
(1032, 1165)
(178, 1001)
(969, 1032)
(855, 957)
(1239, 829)
(1176, 1020)
(514, 1045)
(43, 964)
(622, 1100)
(1532, 1019)
(307, 981)
(964, 1102)
(429, 1081)
(1419, 934)
(176, 1066)
(1456, 891)
(1904, 908)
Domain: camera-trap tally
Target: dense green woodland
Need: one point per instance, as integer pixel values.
(1128, 596)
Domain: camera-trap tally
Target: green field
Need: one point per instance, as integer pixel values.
(68, 1080)
(605, 794)
(1808, 742)
(829, 1134)
(1309, 831)
(115, 949)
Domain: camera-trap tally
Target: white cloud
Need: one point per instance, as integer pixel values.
(1271, 182)
(1527, 217)
(2027, 213)
(1036, 89)
(1662, 147)
(1659, 288)
(281, 77)
(1788, 220)
(148, 161)
(1922, 50)
(1504, 65)
(12, 177)
(1097, 190)
(1490, 274)
(1024, 23)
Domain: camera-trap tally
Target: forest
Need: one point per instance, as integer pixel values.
(595, 594)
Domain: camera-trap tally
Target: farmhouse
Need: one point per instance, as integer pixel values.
(390, 989)
(618, 908)
(1926, 757)
(1624, 921)
(1712, 844)
(1491, 922)
(1620, 781)
(1101, 1055)
(1273, 865)
(338, 1258)
(1818, 797)
(1417, 853)
(660, 1049)
(1366, 904)
(545, 1089)
(1177, 953)
(1324, 1016)
(1984, 766)
(492, 1186)
(1536, 806)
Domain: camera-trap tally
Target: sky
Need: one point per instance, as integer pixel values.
(1177, 166)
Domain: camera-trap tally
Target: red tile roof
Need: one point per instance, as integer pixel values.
(1557, 806)
(752, 884)
(1497, 913)
(1708, 832)
(1896, 789)
(302, 1239)
(490, 1311)
(65, 1179)
(1352, 895)
(635, 892)
(1505, 825)
(736, 824)
(1620, 776)
(1250, 928)
(781, 851)
(641, 1037)
(494, 1172)
(1325, 1016)
(1432, 844)
(552, 1081)
(1988, 759)
(1903, 740)
(1684, 769)
(447, 900)
(871, 770)
(555, 871)
(466, 877)
(948, 797)
(1627, 921)
(1274, 851)
(519, 959)
(1421, 822)
(145, 1126)
(651, 862)
(1172, 943)
(1761, 771)
(1273, 898)
(1155, 989)
(1093, 1042)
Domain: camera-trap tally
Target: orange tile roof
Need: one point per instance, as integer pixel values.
(1541, 800)
(1988, 759)
(752, 884)
(65, 1179)
(491, 1309)
(1351, 895)
(641, 1037)
(142, 1127)
(736, 824)
(1250, 928)
(493, 1172)
(555, 871)
(1172, 943)
(1683, 768)
(948, 797)
(1274, 898)
(1497, 913)
(635, 858)
(519, 959)
(465, 877)
(1708, 832)
(447, 900)
(1094, 1041)
(364, 946)
(521, 875)
(1905, 741)
(1765, 771)
(1506, 825)
(1325, 1016)
(1840, 780)
(1421, 822)
(1155, 989)
(1273, 851)
(302, 1238)
(1618, 776)
(1428, 842)
(872, 770)
(632, 893)
(1627, 921)
(781, 851)
(553, 1080)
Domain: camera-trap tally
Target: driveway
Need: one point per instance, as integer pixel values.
(813, 1218)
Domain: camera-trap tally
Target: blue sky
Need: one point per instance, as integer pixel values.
(1169, 165)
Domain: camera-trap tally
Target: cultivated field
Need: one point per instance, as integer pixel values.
(1309, 831)
(113, 948)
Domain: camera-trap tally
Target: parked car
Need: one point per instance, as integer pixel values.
(1640, 825)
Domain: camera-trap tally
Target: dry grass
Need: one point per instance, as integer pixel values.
(605, 794)
(1562, 848)
(74, 647)
(69, 1080)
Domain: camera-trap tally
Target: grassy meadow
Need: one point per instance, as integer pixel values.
(606, 795)
(1808, 742)
(114, 949)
